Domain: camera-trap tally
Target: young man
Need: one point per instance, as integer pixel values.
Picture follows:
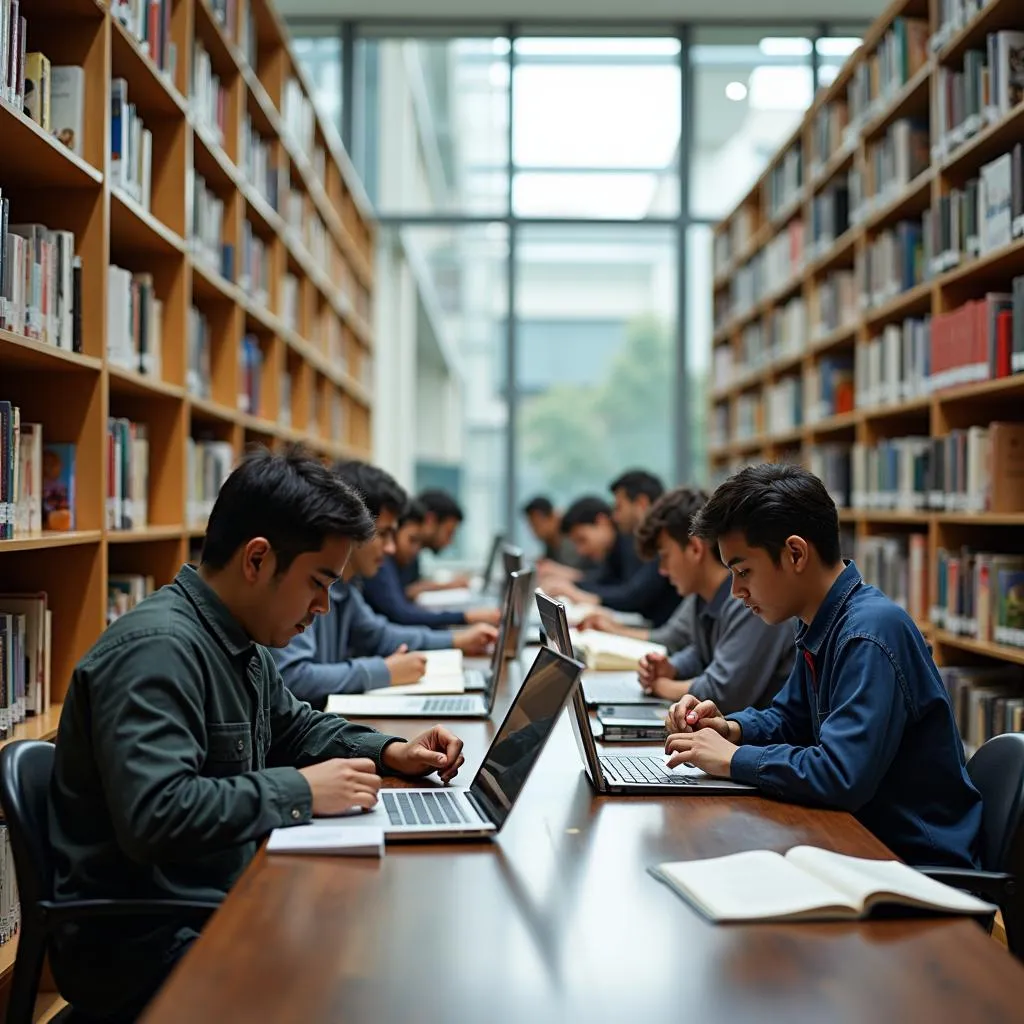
(634, 492)
(442, 516)
(384, 593)
(622, 581)
(733, 658)
(560, 553)
(179, 748)
(350, 649)
(863, 723)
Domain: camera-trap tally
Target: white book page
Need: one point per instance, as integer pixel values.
(861, 879)
(757, 885)
(444, 598)
(593, 641)
(424, 688)
(444, 663)
(327, 839)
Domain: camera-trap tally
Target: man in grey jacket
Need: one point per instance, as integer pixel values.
(733, 658)
(352, 649)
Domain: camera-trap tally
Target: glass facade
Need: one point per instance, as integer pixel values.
(544, 269)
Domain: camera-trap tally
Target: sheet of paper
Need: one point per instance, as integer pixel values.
(350, 841)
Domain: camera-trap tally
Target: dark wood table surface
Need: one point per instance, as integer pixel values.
(558, 920)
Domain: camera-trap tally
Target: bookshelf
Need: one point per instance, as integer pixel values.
(309, 319)
(798, 296)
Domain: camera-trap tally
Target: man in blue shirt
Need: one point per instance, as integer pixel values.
(351, 649)
(384, 592)
(442, 517)
(863, 723)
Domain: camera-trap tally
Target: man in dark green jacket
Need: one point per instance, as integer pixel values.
(179, 748)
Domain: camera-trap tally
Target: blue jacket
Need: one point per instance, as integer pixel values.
(627, 584)
(385, 594)
(344, 650)
(864, 724)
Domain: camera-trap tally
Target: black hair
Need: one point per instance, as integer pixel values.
(442, 504)
(769, 503)
(378, 489)
(292, 499)
(541, 505)
(636, 482)
(672, 513)
(414, 513)
(584, 512)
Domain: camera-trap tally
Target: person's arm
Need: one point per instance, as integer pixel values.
(147, 714)
(385, 596)
(786, 720)
(857, 743)
(639, 593)
(373, 636)
(677, 633)
(745, 658)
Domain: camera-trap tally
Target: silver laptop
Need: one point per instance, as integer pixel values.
(640, 770)
(490, 594)
(481, 810)
(378, 704)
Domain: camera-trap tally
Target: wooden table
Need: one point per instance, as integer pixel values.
(558, 920)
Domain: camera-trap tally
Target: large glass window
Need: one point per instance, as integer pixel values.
(318, 48)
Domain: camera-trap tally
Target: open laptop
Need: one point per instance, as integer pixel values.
(641, 770)
(381, 704)
(598, 687)
(481, 809)
(491, 590)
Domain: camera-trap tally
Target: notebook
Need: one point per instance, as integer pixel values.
(807, 884)
(607, 652)
(322, 839)
(444, 674)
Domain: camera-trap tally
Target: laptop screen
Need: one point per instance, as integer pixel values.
(504, 628)
(492, 560)
(522, 735)
(554, 624)
(515, 641)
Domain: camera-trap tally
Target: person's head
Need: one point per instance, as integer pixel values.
(665, 534)
(587, 522)
(442, 516)
(544, 520)
(409, 538)
(634, 493)
(280, 533)
(386, 501)
(777, 529)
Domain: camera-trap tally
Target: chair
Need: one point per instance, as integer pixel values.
(997, 770)
(25, 770)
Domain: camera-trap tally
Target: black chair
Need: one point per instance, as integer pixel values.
(997, 770)
(25, 770)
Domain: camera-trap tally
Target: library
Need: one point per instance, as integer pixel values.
(632, 394)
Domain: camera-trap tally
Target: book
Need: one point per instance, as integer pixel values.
(443, 675)
(58, 486)
(324, 839)
(606, 652)
(807, 884)
(67, 105)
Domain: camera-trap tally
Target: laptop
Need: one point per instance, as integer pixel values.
(630, 771)
(481, 809)
(598, 687)
(381, 704)
(489, 593)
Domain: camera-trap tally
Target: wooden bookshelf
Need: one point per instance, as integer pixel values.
(752, 227)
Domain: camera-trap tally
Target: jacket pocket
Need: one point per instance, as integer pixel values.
(228, 748)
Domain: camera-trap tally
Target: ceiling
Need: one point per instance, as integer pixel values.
(586, 10)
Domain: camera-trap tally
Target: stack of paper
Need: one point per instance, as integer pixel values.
(337, 840)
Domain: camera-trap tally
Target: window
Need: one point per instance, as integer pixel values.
(319, 52)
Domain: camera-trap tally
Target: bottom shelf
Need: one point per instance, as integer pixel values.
(38, 727)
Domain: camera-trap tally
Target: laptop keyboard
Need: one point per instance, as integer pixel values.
(644, 770)
(422, 808)
(447, 705)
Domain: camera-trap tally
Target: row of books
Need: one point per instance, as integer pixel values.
(898, 566)
(298, 118)
(830, 217)
(891, 263)
(206, 228)
(254, 272)
(987, 700)
(729, 243)
(207, 102)
(772, 267)
(208, 464)
(980, 595)
(149, 21)
(53, 96)
(250, 364)
(785, 180)
(10, 906)
(131, 146)
(894, 160)
(835, 301)
(828, 387)
(290, 293)
(134, 322)
(198, 379)
(125, 591)
(895, 365)
(831, 464)
(257, 163)
(830, 133)
(127, 502)
(26, 626)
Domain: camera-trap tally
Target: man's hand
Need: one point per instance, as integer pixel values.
(706, 749)
(548, 567)
(570, 592)
(340, 784)
(691, 715)
(600, 620)
(406, 668)
(476, 640)
(436, 750)
(492, 616)
(459, 582)
(652, 667)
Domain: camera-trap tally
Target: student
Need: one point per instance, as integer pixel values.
(864, 723)
(384, 593)
(733, 658)
(622, 581)
(350, 649)
(560, 554)
(179, 748)
(674, 634)
(442, 517)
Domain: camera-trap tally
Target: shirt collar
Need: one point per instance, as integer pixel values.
(214, 612)
(713, 608)
(811, 637)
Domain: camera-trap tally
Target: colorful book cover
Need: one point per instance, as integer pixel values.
(58, 487)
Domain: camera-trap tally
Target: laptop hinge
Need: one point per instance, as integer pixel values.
(481, 806)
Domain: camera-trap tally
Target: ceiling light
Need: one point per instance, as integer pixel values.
(736, 91)
(837, 46)
(785, 46)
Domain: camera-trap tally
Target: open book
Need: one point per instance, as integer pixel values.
(807, 884)
(444, 675)
(607, 652)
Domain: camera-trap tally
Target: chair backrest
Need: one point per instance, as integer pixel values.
(25, 770)
(997, 769)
